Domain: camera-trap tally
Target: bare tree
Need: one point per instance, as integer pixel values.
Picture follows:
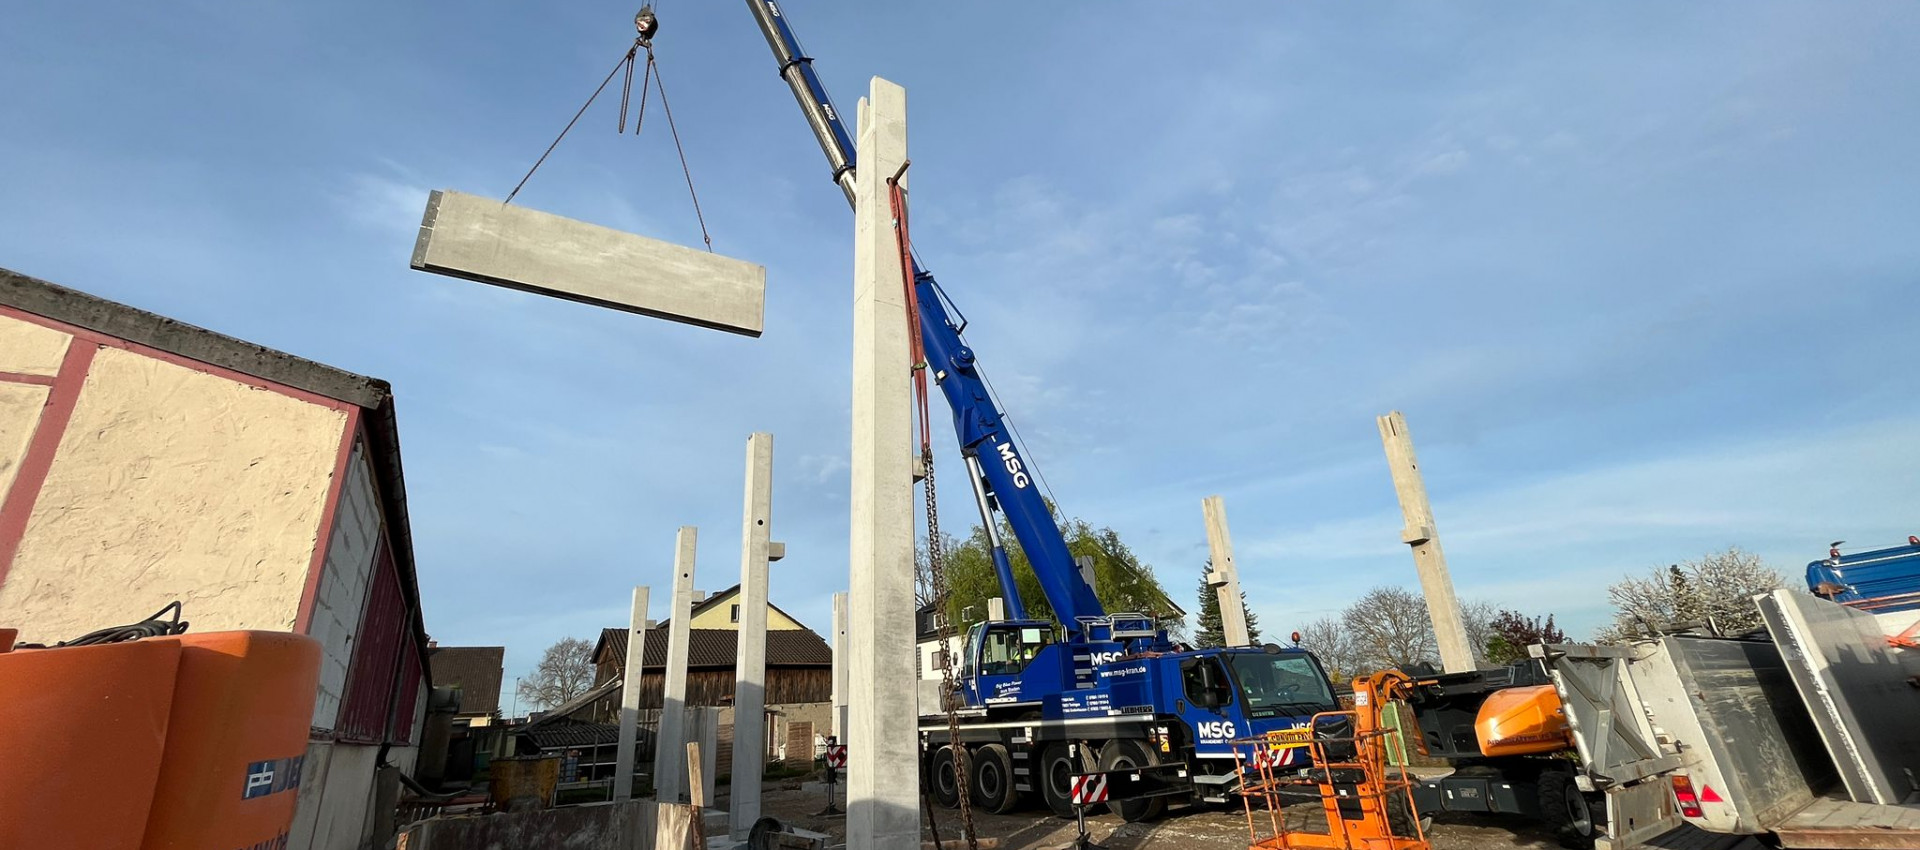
(1327, 639)
(1478, 616)
(1714, 592)
(1389, 627)
(565, 671)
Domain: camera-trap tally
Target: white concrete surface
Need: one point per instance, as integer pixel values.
(1457, 654)
(630, 697)
(670, 739)
(1225, 576)
(840, 650)
(883, 775)
(484, 240)
(750, 662)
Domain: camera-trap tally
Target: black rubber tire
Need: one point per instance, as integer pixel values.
(1401, 818)
(991, 778)
(1057, 767)
(1123, 754)
(1568, 811)
(942, 784)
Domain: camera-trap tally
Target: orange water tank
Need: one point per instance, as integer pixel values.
(1522, 721)
(82, 730)
(191, 741)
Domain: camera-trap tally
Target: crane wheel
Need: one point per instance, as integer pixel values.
(1057, 767)
(992, 779)
(1129, 753)
(942, 782)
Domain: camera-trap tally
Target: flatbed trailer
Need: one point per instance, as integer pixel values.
(1809, 735)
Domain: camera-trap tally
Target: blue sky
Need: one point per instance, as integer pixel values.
(1641, 275)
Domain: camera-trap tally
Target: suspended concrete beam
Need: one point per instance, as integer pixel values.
(484, 240)
(670, 740)
(630, 698)
(750, 661)
(1449, 627)
(1225, 576)
(883, 776)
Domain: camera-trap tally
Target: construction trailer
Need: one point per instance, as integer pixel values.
(1808, 735)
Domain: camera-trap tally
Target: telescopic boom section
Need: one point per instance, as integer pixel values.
(1001, 475)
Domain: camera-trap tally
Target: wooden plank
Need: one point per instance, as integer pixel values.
(484, 240)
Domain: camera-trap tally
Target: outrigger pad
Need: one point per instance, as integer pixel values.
(480, 239)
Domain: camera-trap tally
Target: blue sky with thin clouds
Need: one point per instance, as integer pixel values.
(1641, 275)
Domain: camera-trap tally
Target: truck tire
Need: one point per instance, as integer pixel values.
(942, 783)
(992, 779)
(1121, 755)
(1057, 767)
(1567, 811)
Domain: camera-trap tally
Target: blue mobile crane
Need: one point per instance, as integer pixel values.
(1033, 690)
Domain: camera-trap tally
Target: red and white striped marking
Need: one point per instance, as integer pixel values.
(1091, 788)
(836, 755)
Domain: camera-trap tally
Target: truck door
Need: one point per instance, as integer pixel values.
(1208, 705)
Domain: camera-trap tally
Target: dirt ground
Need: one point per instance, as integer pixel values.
(1209, 828)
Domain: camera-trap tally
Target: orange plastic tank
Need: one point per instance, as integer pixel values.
(1522, 721)
(241, 711)
(192, 741)
(82, 730)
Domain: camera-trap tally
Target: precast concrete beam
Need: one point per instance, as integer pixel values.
(484, 240)
(840, 652)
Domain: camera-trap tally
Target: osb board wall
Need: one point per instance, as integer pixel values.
(172, 483)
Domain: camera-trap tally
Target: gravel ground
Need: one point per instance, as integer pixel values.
(1211, 828)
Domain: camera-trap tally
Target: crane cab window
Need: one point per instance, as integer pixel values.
(1206, 683)
(1005, 652)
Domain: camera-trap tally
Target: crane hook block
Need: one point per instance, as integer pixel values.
(646, 23)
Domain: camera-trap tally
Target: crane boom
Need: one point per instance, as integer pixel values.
(1001, 475)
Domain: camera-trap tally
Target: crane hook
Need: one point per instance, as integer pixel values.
(647, 24)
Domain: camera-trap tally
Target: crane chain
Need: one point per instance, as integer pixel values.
(949, 687)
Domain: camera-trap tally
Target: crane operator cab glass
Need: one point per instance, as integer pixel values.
(1000, 653)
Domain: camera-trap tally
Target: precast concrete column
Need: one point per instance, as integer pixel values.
(1225, 576)
(840, 651)
(750, 662)
(1449, 627)
(630, 698)
(670, 740)
(883, 775)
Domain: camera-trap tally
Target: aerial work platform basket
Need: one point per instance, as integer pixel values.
(1367, 802)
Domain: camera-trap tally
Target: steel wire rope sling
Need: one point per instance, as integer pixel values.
(647, 24)
(936, 558)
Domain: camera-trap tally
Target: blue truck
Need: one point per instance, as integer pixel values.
(1882, 581)
(1040, 700)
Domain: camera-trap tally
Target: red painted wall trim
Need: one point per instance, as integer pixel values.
(82, 334)
(323, 539)
(62, 397)
(24, 378)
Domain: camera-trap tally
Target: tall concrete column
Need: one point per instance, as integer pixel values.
(1456, 652)
(883, 776)
(670, 740)
(840, 651)
(750, 662)
(1225, 576)
(630, 698)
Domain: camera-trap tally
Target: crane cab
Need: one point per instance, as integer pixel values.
(1010, 661)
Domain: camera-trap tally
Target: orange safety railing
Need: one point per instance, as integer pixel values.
(1368, 804)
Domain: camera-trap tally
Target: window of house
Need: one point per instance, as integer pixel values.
(735, 613)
